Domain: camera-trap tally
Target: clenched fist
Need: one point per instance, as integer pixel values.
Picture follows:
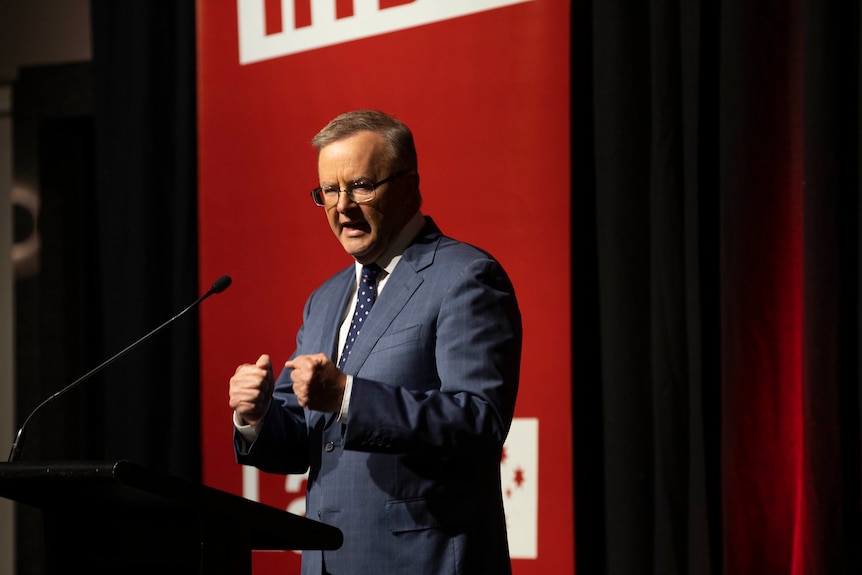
(251, 390)
(317, 383)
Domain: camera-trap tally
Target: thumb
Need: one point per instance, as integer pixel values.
(264, 362)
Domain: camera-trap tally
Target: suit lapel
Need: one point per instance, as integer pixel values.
(335, 313)
(329, 327)
(400, 287)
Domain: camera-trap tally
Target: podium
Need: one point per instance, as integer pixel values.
(120, 517)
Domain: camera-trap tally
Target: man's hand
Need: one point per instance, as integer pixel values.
(251, 390)
(317, 383)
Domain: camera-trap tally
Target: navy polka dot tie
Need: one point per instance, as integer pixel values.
(365, 296)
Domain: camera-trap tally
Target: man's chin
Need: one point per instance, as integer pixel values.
(358, 248)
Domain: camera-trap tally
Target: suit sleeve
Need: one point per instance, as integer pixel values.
(455, 394)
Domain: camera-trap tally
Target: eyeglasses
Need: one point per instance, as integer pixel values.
(359, 192)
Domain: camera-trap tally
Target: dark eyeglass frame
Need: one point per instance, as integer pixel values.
(319, 194)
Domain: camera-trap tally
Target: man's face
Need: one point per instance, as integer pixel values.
(364, 230)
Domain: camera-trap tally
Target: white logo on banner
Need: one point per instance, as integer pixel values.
(519, 470)
(368, 19)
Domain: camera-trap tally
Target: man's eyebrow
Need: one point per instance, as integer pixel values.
(355, 180)
(329, 184)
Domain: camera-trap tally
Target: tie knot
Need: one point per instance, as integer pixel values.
(370, 273)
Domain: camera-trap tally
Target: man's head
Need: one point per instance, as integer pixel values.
(372, 156)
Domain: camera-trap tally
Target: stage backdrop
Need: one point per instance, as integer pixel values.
(484, 85)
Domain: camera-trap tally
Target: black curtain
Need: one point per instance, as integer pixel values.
(832, 399)
(55, 333)
(109, 149)
(716, 154)
(146, 218)
(645, 80)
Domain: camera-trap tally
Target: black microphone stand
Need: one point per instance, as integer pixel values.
(218, 286)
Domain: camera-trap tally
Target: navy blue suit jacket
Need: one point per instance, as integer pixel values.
(413, 478)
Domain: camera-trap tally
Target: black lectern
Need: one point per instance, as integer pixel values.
(119, 517)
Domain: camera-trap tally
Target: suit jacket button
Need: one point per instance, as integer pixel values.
(329, 446)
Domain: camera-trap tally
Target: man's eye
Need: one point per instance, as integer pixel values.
(362, 186)
(330, 191)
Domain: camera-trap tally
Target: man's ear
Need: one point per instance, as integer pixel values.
(412, 185)
(413, 180)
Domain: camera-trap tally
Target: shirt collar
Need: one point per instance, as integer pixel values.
(390, 258)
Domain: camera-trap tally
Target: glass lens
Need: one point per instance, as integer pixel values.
(317, 196)
(361, 192)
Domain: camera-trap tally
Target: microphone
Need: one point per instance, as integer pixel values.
(218, 286)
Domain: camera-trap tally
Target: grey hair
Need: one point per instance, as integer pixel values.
(398, 137)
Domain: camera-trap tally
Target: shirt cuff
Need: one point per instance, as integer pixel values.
(248, 432)
(345, 401)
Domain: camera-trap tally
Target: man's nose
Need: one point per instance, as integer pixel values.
(344, 202)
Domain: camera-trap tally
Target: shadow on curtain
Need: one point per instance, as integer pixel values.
(716, 236)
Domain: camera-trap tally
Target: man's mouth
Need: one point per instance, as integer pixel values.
(356, 228)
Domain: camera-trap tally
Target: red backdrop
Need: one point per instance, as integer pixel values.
(485, 88)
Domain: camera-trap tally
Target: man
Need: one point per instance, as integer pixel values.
(403, 435)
